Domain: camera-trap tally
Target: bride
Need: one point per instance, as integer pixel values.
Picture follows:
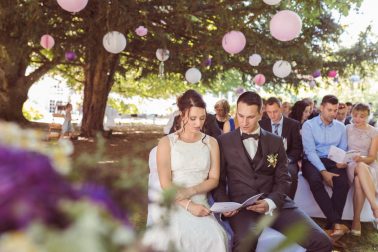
(190, 160)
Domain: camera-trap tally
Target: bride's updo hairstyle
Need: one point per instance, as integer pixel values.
(190, 98)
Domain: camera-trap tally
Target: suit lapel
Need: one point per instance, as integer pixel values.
(285, 128)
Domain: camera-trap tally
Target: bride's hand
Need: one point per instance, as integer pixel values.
(185, 193)
(198, 210)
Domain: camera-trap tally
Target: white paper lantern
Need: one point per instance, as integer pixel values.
(272, 2)
(114, 42)
(193, 75)
(281, 68)
(162, 54)
(254, 59)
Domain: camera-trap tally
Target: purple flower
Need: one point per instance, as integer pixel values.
(30, 189)
(100, 195)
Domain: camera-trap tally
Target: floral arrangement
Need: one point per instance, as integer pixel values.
(40, 210)
(272, 160)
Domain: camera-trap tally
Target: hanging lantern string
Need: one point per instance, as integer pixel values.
(108, 15)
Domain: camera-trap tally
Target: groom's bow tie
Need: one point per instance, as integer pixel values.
(246, 136)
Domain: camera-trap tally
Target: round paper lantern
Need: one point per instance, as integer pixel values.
(70, 55)
(193, 75)
(316, 74)
(281, 68)
(354, 78)
(254, 59)
(312, 83)
(47, 41)
(285, 25)
(162, 54)
(239, 90)
(233, 42)
(272, 2)
(141, 31)
(114, 42)
(72, 5)
(332, 73)
(259, 79)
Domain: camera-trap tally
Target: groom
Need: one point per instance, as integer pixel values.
(254, 161)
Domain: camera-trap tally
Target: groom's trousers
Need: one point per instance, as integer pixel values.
(245, 235)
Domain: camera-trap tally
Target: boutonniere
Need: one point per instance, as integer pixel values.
(272, 160)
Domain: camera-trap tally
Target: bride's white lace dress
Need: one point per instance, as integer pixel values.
(190, 164)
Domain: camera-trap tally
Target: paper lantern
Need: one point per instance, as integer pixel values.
(354, 78)
(316, 74)
(272, 2)
(193, 75)
(254, 59)
(141, 31)
(47, 41)
(332, 73)
(312, 83)
(285, 25)
(114, 42)
(233, 42)
(259, 79)
(162, 54)
(70, 56)
(281, 68)
(239, 90)
(72, 5)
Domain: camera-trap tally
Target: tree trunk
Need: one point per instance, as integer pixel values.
(99, 73)
(14, 89)
(11, 100)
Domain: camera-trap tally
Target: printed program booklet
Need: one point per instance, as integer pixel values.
(222, 207)
(340, 156)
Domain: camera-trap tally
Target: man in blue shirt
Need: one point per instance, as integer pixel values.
(318, 135)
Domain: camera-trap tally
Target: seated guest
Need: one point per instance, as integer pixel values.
(318, 135)
(313, 110)
(363, 171)
(342, 113)
(288, 129)
(300, 111)
(225, 121)
(286, 108)
(349, 111)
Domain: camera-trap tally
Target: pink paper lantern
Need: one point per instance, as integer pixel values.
(285, 25)
(47, 41)
(332, 73)
(72, 5)
(141, 31)
(259, 79)
(233, 42)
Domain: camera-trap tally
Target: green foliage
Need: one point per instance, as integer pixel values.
(31, 113)
(122, 107)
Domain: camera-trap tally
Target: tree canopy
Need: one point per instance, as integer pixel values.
(191, 30)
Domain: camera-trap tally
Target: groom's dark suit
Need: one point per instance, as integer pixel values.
(242, 177)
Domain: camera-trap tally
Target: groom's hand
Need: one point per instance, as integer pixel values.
(328, 177)
(261, 206)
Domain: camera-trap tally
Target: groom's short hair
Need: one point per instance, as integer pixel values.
(250, 98)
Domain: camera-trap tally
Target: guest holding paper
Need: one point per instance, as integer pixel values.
(254, 161)
(363, 171)
(318, 135)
